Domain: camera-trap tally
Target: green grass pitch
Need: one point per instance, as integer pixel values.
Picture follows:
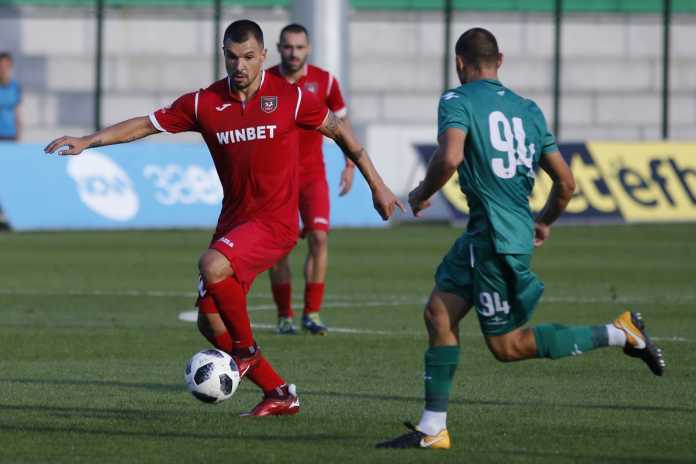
(93, 354)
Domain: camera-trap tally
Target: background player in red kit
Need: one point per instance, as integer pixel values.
(250, 122)
(294, 49)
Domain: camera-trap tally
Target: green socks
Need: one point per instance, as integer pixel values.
(440, 364)
(558, 341)
(552, 340)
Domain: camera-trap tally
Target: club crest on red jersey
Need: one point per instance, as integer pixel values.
(312, 87)
(269, 104)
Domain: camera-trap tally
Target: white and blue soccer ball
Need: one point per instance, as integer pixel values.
(212, 376)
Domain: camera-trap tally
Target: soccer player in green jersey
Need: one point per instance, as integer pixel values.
(495, 139)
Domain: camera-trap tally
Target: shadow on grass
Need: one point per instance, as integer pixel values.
(161, 387)
(578, 458)
(82, 412)
(159, 434)
(314, 438)
(503, 403)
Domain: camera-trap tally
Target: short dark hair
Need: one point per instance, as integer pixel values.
(294, 28)
(5, 56)
(240, 31)
(477, 47)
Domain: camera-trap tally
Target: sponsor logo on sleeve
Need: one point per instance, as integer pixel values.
(226, 241)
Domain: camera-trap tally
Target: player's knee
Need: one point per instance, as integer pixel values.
(281, 266)
(213, 266)
(318, 240)
(436, 318)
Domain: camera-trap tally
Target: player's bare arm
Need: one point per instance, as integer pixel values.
(444, 162)
(348, 172)
(384, 200)
(561, 193)
(123, 132)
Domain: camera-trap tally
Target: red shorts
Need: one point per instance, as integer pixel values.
(314, 204)
(252, 248)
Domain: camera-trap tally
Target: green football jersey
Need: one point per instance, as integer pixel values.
(506, 137)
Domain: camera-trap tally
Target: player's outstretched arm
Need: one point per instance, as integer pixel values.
(561, 193)
(384, 200)
(125, 131)
(444, 161)
(346, 182)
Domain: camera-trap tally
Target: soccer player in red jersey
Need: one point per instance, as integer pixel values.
(294, 48)
(250, 122)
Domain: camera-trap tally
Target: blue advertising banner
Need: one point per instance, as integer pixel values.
(140, 185)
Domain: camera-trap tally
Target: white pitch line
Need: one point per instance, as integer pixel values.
(339, 301)
(670, 339)
(192, 316)
(134, 293)
(346, 330)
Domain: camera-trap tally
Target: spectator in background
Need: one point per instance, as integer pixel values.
(10, 97)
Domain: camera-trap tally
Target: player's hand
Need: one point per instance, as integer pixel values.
(346, 179)
(541, 233)
(416, 201)
(385, 201)
(75, 145)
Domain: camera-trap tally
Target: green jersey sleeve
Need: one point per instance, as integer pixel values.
(452, 113)
(548, 141)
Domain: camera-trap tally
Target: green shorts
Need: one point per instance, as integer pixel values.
(501, 287)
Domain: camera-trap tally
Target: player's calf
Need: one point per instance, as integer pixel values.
(627, 331)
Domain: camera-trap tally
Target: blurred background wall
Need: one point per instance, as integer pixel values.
(154, 50)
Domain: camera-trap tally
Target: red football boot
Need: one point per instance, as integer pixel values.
(246, 359)
(283, 401)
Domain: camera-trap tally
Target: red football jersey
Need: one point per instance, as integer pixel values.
(325, 87)
(254, 145)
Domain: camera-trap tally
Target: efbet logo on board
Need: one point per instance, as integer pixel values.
(650, 182)
(269, 104)
(636, 182)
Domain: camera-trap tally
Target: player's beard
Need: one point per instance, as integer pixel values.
(294, 66)
(242, 83)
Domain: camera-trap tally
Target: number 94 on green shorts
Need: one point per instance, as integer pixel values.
(501, 286)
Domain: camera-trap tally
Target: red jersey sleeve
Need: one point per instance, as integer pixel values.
(334, 98)
(309, 111)
(180, 116)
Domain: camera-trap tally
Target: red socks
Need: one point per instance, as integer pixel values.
(230, 299)
(265, 376)
(223, 342)
(282, 295)
(314, 294)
